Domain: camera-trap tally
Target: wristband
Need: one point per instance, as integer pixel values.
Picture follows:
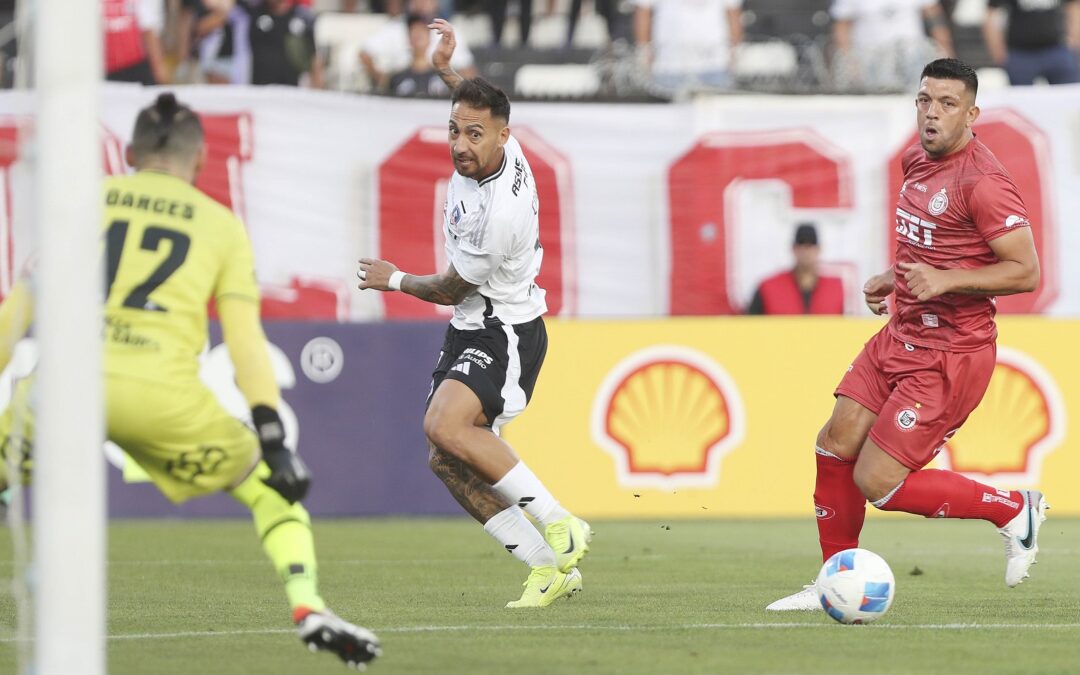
(396, 278)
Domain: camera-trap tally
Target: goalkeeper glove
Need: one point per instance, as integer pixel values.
(288, 474)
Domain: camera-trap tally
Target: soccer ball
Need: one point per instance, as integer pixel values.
(855, 586)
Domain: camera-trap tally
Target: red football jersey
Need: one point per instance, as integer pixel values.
(949, 208)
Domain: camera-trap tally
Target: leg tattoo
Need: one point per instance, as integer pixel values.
(474, 494)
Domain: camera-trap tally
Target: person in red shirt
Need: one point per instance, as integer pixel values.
(801, 290)
(133, 51)
(962, 237)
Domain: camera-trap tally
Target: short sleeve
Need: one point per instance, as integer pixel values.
(237, 277)
(996, 207)
(647, 4)
(474, 264)
(150, 15)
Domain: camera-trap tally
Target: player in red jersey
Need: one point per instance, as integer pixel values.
(962, 237)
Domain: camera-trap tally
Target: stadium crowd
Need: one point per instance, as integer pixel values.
(604, 49)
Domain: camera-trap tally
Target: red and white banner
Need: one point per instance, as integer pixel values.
(646, 210)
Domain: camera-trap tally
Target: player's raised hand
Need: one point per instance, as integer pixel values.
(375, 274)
(925, 282)
(876, 289)
(440, 58)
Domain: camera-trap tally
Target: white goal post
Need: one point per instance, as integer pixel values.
(68, 519)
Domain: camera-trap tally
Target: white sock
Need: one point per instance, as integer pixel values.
(521, 486)
(513, 530)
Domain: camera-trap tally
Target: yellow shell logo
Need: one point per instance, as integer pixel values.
(1019, 421)
(667, 415)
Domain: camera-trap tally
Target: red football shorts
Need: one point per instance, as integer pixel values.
(921, 396)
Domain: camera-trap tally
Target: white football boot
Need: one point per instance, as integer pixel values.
(804, 601)
(1021, 535)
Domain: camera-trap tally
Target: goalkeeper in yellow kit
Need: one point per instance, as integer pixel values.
(169, 250)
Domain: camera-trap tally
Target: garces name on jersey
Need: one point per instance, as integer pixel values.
(492, 232)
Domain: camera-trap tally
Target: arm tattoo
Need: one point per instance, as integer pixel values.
(476, 496)
(450, 78)
(447, 288)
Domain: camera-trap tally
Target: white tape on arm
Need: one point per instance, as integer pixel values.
(395, 280)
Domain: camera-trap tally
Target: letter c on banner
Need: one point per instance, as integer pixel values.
(699, 203)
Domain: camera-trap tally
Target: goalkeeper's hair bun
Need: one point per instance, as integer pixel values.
(167, 106)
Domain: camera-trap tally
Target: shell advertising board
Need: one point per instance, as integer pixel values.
(718, 416)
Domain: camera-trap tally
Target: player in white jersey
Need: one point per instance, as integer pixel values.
(496, 342)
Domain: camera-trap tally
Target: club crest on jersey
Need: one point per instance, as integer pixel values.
(938, 203)
(455, 216)
(906, 419)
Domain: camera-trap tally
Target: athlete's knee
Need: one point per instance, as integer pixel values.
(837, 439)
(444, 431)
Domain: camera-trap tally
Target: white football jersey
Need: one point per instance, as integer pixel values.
(492, 232)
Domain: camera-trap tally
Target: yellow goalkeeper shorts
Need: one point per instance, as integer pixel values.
(180, 435)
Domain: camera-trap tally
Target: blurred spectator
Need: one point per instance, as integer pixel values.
(8, 48)
(216, 24)
(609, 9)
(801, 290)
(133, 50)
(688, 44)
(281, 39)
(205, 35)
(1042, 39)
(882, 45)
(497, 10)
(388, 50)
(420, 79)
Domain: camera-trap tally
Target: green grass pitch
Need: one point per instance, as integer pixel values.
(197, 597)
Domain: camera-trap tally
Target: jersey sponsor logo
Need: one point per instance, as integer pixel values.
(916, 230)
(478, 357)
(667, 415)
(906, 419)
(938, 203)
(1019, 422)
(521, 176)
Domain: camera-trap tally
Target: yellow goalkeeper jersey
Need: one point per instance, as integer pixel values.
(169, 250)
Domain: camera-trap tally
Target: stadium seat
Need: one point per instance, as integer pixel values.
(766, 59)
(991, 78)
(557, 81)
(969, 12)
(340, 37)
(475, 29)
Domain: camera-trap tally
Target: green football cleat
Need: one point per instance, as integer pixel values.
(569, 538)
(545, 585)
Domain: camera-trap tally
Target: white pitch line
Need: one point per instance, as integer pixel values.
(616, 628)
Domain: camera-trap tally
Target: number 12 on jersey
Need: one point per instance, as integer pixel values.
(139, 298)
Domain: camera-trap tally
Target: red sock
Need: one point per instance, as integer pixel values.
(840, 506)
(946, 494)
